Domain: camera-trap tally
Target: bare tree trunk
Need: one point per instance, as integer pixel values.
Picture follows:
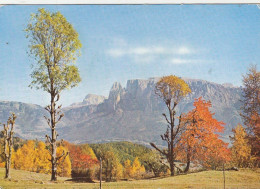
(172, 159)
(53, 141)
(188, 161)
(8, 143)
(7, 168)
(54, 113)
(172, 168)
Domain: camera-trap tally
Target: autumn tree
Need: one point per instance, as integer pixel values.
(54, 44)
(241, 150)
(217, 155)
(251, 108)
(86, 149)
(128, 169)
(42, 157)
(83, 160)
(171, 90)
(25, 157)
(200, 136)
(154, 163)
(138, 170)
(8, 133)
(112, 169)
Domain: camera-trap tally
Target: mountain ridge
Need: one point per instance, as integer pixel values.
(130, 113)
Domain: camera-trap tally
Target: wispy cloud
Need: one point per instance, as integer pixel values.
(182, 54)
(144, 50)
(185, 61)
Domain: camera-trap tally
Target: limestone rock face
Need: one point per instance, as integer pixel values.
(135, 113)
(92, 99)
(132, 113)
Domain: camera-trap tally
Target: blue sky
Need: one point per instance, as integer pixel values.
(120, 42)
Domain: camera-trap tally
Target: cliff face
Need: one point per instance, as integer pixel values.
(30, 122)
(135, 113)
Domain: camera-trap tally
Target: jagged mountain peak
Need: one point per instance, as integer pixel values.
(131, 113)
(93, 99)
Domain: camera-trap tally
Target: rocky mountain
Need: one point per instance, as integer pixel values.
(30, 122)
(132, 113)
(90, 99)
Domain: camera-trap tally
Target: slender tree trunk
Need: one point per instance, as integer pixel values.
(8, 143)
(7, 165)
(7, 168)
(172, 168)
(171, 146)
(187, 167)
(53, 141)
(188, 161)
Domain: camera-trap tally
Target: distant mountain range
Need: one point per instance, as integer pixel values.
(131, 113)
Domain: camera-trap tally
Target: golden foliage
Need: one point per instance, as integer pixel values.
(171, 88)
(64, 165)
(241, 150)
(136, 170)
(36, 158)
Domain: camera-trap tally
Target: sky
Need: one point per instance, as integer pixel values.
(120, 42)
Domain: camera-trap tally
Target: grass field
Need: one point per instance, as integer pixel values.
(206, 179)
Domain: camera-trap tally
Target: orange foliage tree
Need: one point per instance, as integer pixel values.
(82, 161)
(200, 140)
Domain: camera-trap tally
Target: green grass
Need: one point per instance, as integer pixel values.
(206, 179)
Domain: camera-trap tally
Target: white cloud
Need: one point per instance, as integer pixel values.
(116, 52)
(178, 61)
(155, 53)
(142, 50)
(184, 50)
(187, 61)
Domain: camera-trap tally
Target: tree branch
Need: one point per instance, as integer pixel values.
(162, 152)
(64, 157)
(48, 139)
(166, 118)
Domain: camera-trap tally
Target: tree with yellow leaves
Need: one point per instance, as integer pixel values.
(42, 158)
(133, 170)
(241, 149)
(117, 171)
(171, 89)
(25, 157)
(86, 149)
(128, 169)
(137, 169)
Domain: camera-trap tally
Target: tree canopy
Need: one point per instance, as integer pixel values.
(171, 88)
(55, 45)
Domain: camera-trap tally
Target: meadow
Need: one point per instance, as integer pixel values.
(245, 178)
